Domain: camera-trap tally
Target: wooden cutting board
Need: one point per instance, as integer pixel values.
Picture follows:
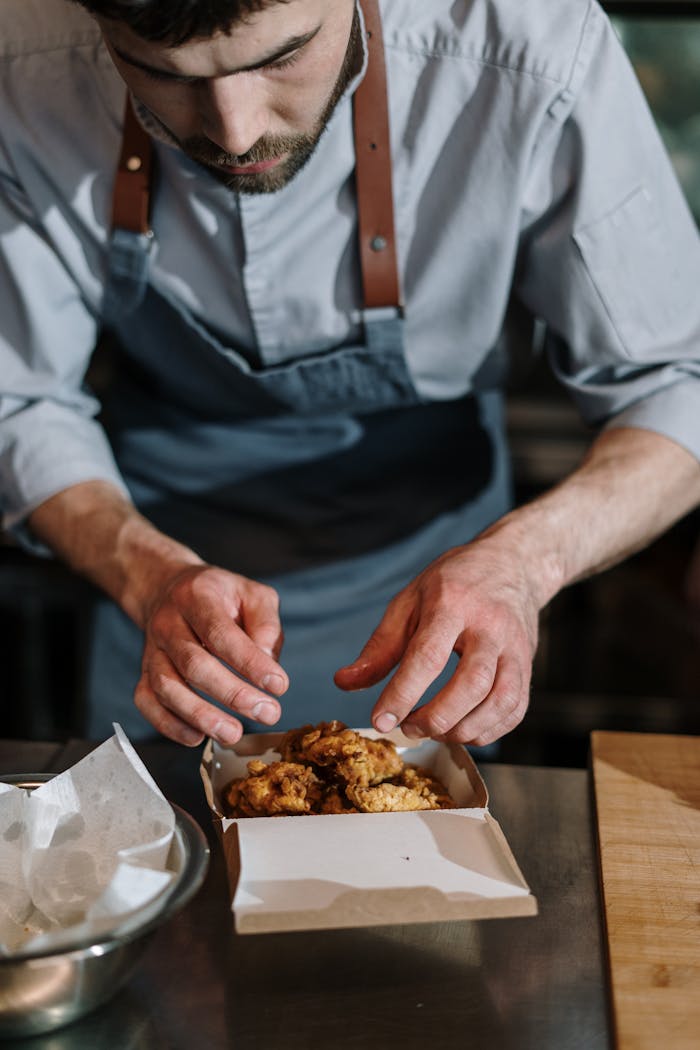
(647, 789)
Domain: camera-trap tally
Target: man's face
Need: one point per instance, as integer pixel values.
(250, 106)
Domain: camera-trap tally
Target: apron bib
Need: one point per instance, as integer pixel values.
(328, 476)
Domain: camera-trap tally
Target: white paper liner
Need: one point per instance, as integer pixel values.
(84, 852)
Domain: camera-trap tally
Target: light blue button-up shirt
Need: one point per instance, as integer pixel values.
(529, 182)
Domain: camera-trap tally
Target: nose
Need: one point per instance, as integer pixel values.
(234, 113)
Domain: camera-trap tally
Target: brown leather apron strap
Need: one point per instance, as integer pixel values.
(131, 200)
(375, 202)
(373, 173)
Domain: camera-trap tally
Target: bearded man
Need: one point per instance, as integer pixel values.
(319, 234)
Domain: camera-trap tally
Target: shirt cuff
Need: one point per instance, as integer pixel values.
(673, 412)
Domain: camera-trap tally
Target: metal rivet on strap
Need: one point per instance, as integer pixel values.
(378, 244)
(134, 164)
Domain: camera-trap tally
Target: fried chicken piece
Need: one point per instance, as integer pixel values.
(278, 789)
(295, 742)
(427, 785)
(354, 760)
(342, 754)
(291, 746)
(413, 789)
(336, 801)
(389, 798)
(329, 768)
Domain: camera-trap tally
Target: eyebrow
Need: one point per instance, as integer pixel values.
(292, 44)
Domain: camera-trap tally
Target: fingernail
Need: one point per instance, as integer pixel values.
(413, 732)
(273, 683)
(266, 713)
(226, 733)
(385, 722)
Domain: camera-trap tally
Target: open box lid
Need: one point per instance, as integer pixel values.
(366, 869)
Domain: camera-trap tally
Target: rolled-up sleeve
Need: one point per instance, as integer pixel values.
(611, 256)
(49, 437)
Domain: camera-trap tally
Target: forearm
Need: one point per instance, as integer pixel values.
(632, 485)
(102, 536)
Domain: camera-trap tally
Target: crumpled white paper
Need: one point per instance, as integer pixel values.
(83, 852)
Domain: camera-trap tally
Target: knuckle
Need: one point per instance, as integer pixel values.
(251, 665)
(437, 724)
(481, 674)
(159, 625)
(484, 739)
(400, 699)
(460, 735)
(442, 589)
(431, 655)
(270, 596)
(234, 697)
(191, 664)
(217, 636)
(513, 721)
(160, 683)
(509, 701)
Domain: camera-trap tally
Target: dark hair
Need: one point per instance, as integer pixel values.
(176, 21)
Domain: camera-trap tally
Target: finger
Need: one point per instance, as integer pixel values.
(382, 652)
(163, 720)
(261, 621)
(425, 658)
(501, 711)
(226, 640)
(173, 691)
(501, 729)
(196, 667)
(472, 681)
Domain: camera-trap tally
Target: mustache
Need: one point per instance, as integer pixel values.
(269, 147)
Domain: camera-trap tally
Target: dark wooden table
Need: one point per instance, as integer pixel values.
(499, 984)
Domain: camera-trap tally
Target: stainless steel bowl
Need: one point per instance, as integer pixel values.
(42, 991)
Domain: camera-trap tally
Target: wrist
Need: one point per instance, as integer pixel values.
(146, 561)
(528, 541)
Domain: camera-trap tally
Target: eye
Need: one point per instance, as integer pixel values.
(170, 78)
(287, 61)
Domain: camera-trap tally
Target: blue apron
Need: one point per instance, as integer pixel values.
(327, 477)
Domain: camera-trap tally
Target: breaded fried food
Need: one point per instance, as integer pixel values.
(342, 755)
(425, 784)
(336, 801)
(390, 798)
(329, 768)
(278, 789)
(291, 746)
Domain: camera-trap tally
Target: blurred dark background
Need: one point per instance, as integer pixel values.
(618, 651)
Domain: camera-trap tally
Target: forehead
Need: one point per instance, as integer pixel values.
(248, 40)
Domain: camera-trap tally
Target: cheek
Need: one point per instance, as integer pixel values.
(299, 101)
(297, 106)
(176, 107)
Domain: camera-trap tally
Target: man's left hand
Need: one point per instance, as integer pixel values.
(475, 601)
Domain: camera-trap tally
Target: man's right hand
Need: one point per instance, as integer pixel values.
(206, 630)
(210, 631)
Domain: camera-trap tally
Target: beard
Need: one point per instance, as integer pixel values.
(295, 149)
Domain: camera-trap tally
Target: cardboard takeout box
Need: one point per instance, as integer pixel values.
(366, 869)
